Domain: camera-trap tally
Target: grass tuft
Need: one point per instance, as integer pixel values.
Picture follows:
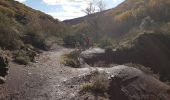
(97, 85)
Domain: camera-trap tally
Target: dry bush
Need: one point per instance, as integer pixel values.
(71, 59)
(97, 85)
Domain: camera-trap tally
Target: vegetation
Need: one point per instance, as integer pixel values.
(70, 40)
(22, 60)
(71, 59)
(106, 42)
(118, 23)
(97, 85)
(24, 56)
(137, 29)
(21, 26)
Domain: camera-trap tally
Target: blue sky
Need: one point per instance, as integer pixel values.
(65, 9)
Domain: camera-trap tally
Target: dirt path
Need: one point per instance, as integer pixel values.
(48, 79)
(43, 80)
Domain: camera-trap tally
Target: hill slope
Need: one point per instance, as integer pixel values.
(19, 24)
(139, 31)
(24, 31)
(132, 16)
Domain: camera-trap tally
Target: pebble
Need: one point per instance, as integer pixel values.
(29, 73)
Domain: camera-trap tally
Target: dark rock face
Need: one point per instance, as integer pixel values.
(4, 65)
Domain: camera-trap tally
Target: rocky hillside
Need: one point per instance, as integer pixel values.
(23, 28)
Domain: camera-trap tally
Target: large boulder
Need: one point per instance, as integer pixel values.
(127, 83)
(92, 52)
(97, 57)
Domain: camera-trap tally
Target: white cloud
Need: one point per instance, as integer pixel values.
(65, 2)
(66, 15)
(69, 5)
(72, 8)
(21, 0)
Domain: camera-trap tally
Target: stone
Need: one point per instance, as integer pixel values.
(2, 80)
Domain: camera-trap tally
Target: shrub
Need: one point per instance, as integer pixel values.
(22, 60)
(97, 85)
(106, 42)
(125, 16)
(35, 39)
(9, 34)
(6, 11)
(71, 59)
(21, 18)
(25, 55)
(70, 41)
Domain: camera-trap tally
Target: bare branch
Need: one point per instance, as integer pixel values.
(90, 9)
(101, 5)
(95, 6)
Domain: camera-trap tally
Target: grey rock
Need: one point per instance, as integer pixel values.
(2, 80)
